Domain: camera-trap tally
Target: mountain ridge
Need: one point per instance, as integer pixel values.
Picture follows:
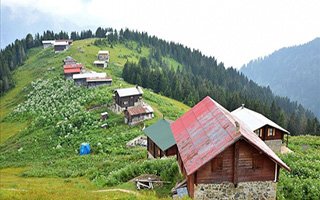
(290, 71)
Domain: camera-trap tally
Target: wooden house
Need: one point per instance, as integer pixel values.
(60, 46)
(135, 115)
(69, 72)
(270, 132)
(81, 79)
(127, 97)
(221, 158)
(160, 141)
(47, 43)
(103, 56)
(98, 81)
(71, 69)
(100, 63)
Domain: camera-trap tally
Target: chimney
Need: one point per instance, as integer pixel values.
(242, 106)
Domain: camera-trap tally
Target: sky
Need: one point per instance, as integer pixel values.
(232, 31)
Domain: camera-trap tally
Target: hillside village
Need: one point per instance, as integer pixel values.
(221, 154)
(132, 141)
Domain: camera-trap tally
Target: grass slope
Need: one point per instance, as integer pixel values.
(29, 149)
(39, 148)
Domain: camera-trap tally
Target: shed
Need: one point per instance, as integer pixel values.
(160, 141)
(137, 114)
(270, 132)
(218, 153)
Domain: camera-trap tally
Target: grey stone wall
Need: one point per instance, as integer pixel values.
(275, 145)
(246, 190)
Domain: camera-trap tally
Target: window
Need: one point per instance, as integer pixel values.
(259, 132)
(125, 103)
(271, 132)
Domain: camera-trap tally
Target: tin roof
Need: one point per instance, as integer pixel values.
(161, 134)
(99, 79)
(72, 70)
(129, 91)
(208, 129)
(58, 43)
(141, 109)
(103, 52)
(90, 75)
(99, 62)
(48, 41)
(255, 120)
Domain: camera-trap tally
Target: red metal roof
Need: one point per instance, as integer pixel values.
(206, 130)
(72, 70)
(77, 65)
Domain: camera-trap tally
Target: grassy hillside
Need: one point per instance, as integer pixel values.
(45, 119)
(38, 141)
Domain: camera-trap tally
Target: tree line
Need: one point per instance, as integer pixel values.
(184, 86)
(197, 77)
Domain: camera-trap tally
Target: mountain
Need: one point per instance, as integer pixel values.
(44, 119)
(293, 72)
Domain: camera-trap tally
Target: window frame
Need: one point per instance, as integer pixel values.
(272, 131)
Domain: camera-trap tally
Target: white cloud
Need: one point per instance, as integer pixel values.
(233, 31)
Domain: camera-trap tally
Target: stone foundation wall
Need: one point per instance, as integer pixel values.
(246, 190)
(275, 145)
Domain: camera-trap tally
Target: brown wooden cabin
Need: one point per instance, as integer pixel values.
(267, 130)
(127, 97)
(96, 82)
(136, 114)
(160, 141)
(214, 148)
(103, 56)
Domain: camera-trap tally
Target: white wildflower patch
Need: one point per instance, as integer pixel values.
(60, 104)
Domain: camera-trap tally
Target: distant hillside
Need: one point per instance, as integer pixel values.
(292, 72)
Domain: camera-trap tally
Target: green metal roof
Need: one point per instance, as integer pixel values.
(160, 133)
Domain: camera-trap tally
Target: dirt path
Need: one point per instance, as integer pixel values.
(118, 190)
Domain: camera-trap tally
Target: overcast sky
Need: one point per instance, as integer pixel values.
(233, 31)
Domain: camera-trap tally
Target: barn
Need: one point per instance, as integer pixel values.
(270, 132)
(221, 158)
(160, 141)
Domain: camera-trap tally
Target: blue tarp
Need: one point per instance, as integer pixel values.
(85, 149)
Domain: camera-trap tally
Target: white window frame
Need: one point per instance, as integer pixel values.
(272, 133)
